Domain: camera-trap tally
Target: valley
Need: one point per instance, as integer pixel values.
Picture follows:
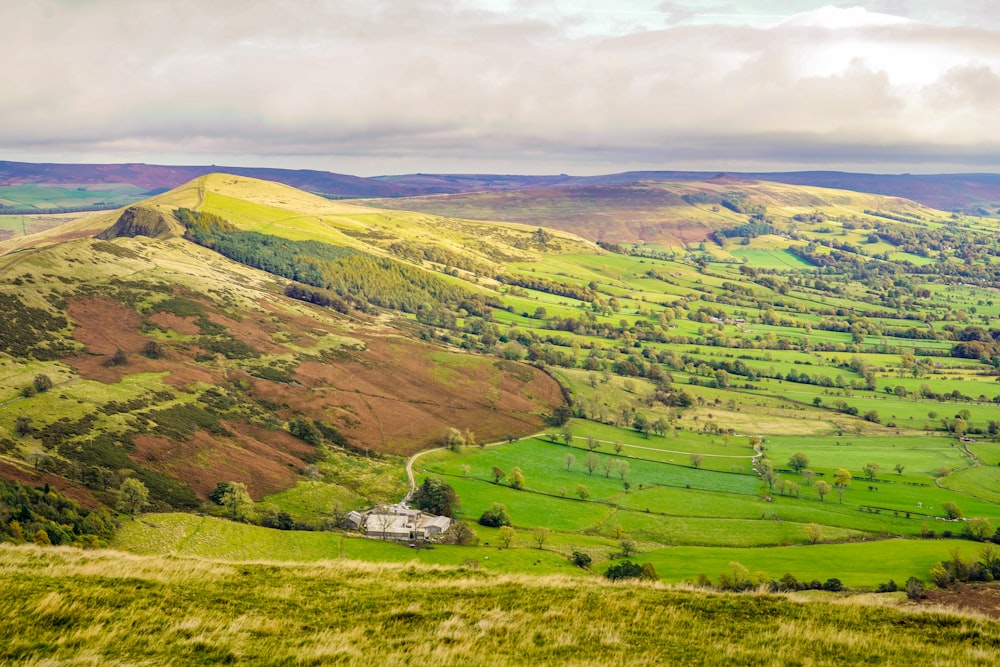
(741, 385)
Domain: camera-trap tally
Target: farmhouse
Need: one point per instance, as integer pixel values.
(400, 522)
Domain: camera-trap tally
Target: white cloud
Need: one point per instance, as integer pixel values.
(409, 84)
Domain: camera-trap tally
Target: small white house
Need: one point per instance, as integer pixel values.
(399, 522)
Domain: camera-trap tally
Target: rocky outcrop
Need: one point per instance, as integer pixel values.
(142, 221)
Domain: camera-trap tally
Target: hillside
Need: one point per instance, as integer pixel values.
(172, 363)
(678, 213)
(108, 607)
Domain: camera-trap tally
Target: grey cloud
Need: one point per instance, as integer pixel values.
(399, 80)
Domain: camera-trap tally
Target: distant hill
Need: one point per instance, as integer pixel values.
(675, 213)
(977, 194)
(162, 177)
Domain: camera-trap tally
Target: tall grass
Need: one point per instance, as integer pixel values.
(62, 606)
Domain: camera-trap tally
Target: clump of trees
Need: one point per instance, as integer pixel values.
(437, 497)
(42, 515)
(626, 569)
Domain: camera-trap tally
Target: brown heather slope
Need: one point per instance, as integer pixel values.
(238, 363)
(642, 212)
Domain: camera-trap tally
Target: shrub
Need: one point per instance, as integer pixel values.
(625, 569)
(495, 516)
(915, 589)
(833, 584)
(581, 559)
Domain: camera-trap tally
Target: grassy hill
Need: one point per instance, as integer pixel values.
(175, 364)
(113, 608)
(680, 213)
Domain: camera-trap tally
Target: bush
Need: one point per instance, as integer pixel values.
(581, 559)
(833, 584)
(625, 569)
(915, 589)
(495, 516)
(888, 587)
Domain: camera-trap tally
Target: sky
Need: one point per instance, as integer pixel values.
(371, 87)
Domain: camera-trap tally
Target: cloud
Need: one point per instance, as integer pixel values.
(398, 83)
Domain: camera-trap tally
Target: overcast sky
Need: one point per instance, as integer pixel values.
(514, 86)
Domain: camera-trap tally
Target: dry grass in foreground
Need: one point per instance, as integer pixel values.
(74, 607)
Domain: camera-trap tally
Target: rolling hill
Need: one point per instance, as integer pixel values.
(173, 363)
(675, 213)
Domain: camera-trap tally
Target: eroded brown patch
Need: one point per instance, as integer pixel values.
(982, 598)
(266, 461)
(182, 325)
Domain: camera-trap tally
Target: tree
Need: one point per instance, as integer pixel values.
(696, 460)
(641, 424)
(495, 516)
(132, 497)
(619, 446)
(978, 529)
(822, 488)
(236, 500)
(592, 443)
(798, 462)
(581, 559)
(461, 533)
(628, 546)
(42, 538)
(951, 510)
(807, 477)
(592, 462)
(582, 491)
(437, 497)
(541, 536)
(841, 480)
(453, 439)
(119, 358)
(498, 474)
(814, 532)
(622, 467)
(219, 492)
(516, 480)
(23, 427)
(871, 470)
(42, 383)
(766, 469)
(560, 415)
(506, 536)
(153, 349)
(899, 467)
(570, 460)
(566, 433)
